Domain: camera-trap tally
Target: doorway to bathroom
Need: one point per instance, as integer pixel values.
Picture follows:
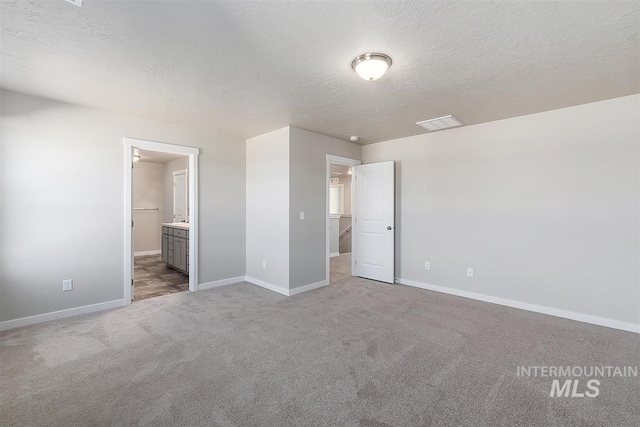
(160, 219)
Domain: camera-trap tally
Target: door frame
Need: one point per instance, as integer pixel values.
(345, 162)
(129, 145)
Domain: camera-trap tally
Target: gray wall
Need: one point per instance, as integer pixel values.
(308, 194)
(148, 192)
(169, 168)
(62, 178)
(345, 241)
(268, 207)
(545, 207)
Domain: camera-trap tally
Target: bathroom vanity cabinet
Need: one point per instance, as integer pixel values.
(175, 246)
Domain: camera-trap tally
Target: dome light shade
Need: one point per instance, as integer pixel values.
(371, 66)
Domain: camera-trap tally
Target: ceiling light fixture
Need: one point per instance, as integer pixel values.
(354, 139)
(371, 66)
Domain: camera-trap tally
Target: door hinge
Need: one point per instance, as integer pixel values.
(131, 282)
(356, 261)
(131, 223)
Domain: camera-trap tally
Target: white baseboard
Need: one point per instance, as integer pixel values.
(306, 288)
(284, 291)
(267, 285)
(61, 314)
(143, 253)
(223, 282)
(586, 318)
(334, 254)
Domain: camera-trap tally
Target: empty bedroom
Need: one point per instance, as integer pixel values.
(320, 213)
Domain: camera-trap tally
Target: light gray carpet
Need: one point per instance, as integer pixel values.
(340, 267)
(357, 353)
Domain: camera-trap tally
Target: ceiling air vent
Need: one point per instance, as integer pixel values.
(440, 123)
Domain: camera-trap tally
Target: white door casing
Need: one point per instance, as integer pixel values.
(374, 221)
(330, 158)
(133, 235)
(192, 173)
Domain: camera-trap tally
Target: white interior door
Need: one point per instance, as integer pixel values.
(180, 196)
(374, 221)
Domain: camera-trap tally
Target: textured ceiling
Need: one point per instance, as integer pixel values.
(251, 67)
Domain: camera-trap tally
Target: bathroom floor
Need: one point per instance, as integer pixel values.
(153, 278)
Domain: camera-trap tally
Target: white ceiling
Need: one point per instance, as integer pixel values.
(339, 169)
(147, 156)
(249, 67)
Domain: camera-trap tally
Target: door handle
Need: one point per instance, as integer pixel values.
(389, 227)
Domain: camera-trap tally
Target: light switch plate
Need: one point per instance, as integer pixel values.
(427, 265)
(301, 216)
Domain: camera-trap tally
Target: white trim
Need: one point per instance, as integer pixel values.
(143, 253)
(340, 161)
(223, 282)
(334, 254)
(60, 314)
(307, 288)
(193, 220)
(192, 152)
(284, 291)
(267, 285)
(580, 317)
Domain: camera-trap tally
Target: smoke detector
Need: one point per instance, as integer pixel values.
(440, 123)
(75, 2)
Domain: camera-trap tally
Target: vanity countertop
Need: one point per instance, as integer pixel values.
(183, 225)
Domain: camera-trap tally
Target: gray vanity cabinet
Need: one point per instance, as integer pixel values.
(165, 246)
(175, 248)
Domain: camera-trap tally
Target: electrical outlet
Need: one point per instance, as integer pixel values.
(67, 285)
(469, 272)
(264, 263)
(427, 265)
